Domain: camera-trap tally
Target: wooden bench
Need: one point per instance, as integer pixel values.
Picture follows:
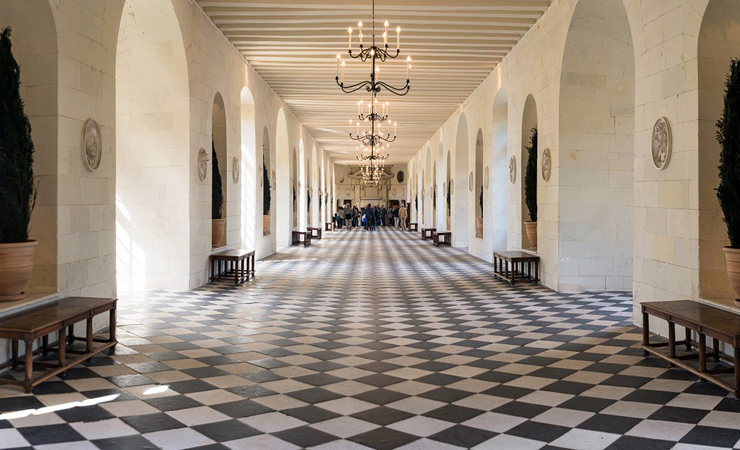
(516, 267)
(238, 263)
(301, 237)
(315, 232)
(413, 226)
(328, 226)
(442, 238)
(427, 233)
(704, 320)
(61, 316)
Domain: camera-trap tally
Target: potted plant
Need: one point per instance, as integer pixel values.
(17, 192)
(218, 222)
(266, 199)
(530, 190)
(434, 206)
(449, 202)
(728, 191)
(295, 210)
(479, 220)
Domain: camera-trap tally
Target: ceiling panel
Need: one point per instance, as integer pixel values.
(454, 45)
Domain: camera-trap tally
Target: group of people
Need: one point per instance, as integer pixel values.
(370, 217)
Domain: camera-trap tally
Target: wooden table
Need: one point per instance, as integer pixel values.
(61, 316)
(315, 232)
(442, 238)
(516, 267)
(427, 233)
(413, 226)
(704, 320)
(301, 237)
(238, 263)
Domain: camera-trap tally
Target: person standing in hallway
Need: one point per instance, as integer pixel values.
(402, 217)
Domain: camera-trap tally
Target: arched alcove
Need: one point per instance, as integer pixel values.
(460, 192)
(309, 194)
(218, 162)
(529, 125)
(266, 199)
(153, 178)
(435, 194)
(283, 215)
(249, 182)
(428, 187)
(34, 41)
(595, 166)
(478, 190)
(499, 177)
(719, 41)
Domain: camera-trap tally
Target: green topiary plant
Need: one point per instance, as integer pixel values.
(217, 193)
(17, 192)
(308, 200)
(434, 198)
(728, 136)
(449, 197)
(530, 177)
(416, 202)
(266, 193)
(480, 201)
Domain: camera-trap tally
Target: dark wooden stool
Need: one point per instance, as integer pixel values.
(237, 263)
(328, 226)
(413, 226)
(315, 232)
(442, 238)
(303, 237)
(516, 267)
(427, 233)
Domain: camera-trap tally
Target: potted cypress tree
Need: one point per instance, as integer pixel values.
(17, 192)
(449, 202)
(530, 190)
(266, 199)
(479, 220)
(728, 192)
(218, 222)
(295, 210)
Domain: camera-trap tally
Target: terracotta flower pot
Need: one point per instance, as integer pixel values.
(218, 232)
(531, 229)
(265, 225)
(16, 264)
(479, 227)
(732, 258)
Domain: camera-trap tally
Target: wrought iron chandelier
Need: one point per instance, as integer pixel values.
(369, 127)
(375, 54)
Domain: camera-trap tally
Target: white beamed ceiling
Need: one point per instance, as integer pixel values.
(454, 45)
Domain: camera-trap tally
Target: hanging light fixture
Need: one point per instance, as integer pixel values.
(375, 54)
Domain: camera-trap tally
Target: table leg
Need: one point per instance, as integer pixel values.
(45, 345)
(687, 341)
(27, 382)
(89, 335)
(645, 332)
(671, 339)
(715, 345)
(71, 335)
(62, 353)
(737, 371)
(235, 265)
(112, 326)
(702, 352)
(14, 353)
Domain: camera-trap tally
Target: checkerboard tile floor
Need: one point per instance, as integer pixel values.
(373, 340)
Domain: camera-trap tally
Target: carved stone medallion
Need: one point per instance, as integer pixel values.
(486, 176)
(202, 164)
(546, 164)
(92, 146)
(512, 169)
(662, 143)
(235, 170)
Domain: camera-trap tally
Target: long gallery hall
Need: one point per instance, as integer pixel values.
(370, 224)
